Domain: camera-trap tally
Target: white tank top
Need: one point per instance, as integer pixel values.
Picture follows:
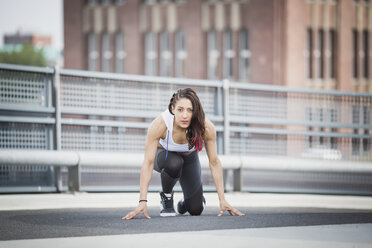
(168, 143)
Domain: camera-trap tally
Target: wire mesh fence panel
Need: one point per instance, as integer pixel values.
(131, 96)
(25, 136)
(286, 122)
(25, 88)
(111, 112)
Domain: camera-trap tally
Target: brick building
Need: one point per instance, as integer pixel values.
(321, 44)
(33, 39)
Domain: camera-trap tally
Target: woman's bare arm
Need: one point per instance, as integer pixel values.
(154, 133)
(216, 168)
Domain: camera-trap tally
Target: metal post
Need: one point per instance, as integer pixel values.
(74, 177)
(237, 177)
(226, 129)
(57, 134)
(219, 112)
(237, 173)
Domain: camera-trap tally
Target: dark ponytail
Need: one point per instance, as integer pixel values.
(195, 132)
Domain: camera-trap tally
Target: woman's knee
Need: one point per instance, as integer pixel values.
(174, 164)
(195, 205)
(196, 210)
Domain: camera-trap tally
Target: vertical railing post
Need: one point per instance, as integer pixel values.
(74, 176)
(57, 127)
(237, 173)
(219, 112)
(226, 115)
(226, 123)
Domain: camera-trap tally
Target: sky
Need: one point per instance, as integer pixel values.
(44, 17)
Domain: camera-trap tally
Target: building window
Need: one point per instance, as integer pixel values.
(213, 55)
(244, 55)
(355, 53)
(166, 55)
(106, 53)
(119, 2)
(120, 52)
(320, 118)
(365, 57)
(309, 56)
(92, 52)
(332, 55)
(332, 115)
(320, 53)
(367, 115)
(356, 120)
(150, 54)
(309, 117)
(229, 54)
(181, 54)
(320, 48)
(105, 2)
(92, 2)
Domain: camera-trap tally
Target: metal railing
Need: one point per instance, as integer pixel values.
(52, 109)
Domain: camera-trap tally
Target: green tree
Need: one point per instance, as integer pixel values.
(28, 55)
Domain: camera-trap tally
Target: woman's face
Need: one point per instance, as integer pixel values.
(182, 112)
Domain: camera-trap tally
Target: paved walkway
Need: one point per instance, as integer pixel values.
(125, 200)
(343, 235)
(337, 236)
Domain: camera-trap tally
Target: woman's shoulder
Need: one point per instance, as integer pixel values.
(210, 130)
(157, 127)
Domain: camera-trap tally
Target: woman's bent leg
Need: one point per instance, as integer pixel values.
(192, 185)
(170, 168)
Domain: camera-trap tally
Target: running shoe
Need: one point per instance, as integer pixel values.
(166, 207)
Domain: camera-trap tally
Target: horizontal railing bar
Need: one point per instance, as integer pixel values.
(91, 122)
(140, 78)
(26, 108)
(297, 164)
(125, 124)
(278, 131)
(283, 89)
(134, 160)
(26, 68)
(38, 157)
(285, 122)
(109, 112)
(122, 113)
(25, 119)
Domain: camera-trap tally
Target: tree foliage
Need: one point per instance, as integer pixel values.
(27, 55)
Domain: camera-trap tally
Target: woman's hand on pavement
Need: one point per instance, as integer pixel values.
(141, 208)
(224, 206)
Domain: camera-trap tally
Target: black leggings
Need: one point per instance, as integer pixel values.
(187, 170)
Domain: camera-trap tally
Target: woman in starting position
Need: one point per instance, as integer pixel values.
(173, 141)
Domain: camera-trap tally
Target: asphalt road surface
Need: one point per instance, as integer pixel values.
(57, 223)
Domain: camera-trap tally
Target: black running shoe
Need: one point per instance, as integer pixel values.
(181, 208)
(166, 207)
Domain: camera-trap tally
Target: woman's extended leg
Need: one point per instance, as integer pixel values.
(170, 170)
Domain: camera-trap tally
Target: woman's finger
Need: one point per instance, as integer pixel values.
(130, 215)
(237, 212)
(146, 215)
(127, 217)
